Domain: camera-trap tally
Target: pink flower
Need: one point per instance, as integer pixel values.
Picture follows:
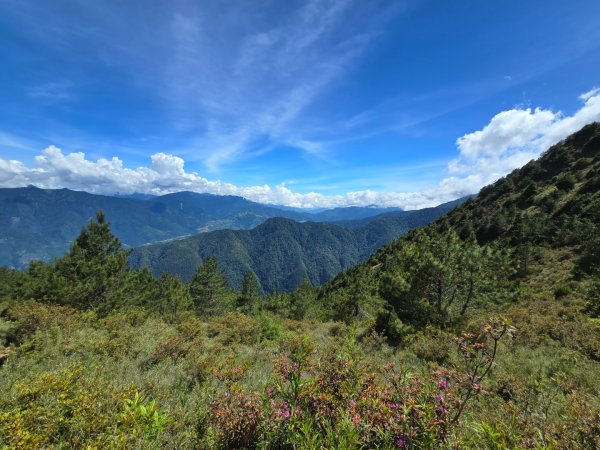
(351, 404)
(400, 442)
(443, 384)
(283, 413)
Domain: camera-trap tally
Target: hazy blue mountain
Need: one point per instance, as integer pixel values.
(136, 196)
(41, 223)
(411, 219)
(282, 252)
(350, 213)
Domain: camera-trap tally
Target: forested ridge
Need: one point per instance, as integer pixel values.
(282, 252)
(480, 330)
(40, 224)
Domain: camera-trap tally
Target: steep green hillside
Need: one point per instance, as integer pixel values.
(553, 200)
(550, 204)
(282, 252)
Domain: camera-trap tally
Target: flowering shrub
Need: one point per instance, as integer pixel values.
(478, 350)
(237, 419)
(323, 402)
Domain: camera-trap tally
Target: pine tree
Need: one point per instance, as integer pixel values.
(437, 279)
(208, 288)
(249, 299)
(92, 271)
(302, 300)
(173, 296)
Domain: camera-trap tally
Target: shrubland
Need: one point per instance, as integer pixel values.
(479, 331)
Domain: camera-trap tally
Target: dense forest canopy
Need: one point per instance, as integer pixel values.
(282, 252)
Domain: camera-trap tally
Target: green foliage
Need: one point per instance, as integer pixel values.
(172, 296)
(208, 289)
(431, 344)
(57, 408)
(593, 299)
(11, 283)
(126, 363)
(566, 182)
(7, 331)
(143, 416)
(562, 290)
(302, 300)
(436, 280)
(89, 276)
(270, 328)
(282, 252)
(388, 324)
(589, 261)
(249, 300)
(235, 328)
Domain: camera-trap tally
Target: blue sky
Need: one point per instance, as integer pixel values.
(313, 103)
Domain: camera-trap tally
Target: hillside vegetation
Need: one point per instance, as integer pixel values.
(281, 252)
(480, 330)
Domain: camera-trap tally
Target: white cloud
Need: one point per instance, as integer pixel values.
(166, 174)
(510, 140)
(507, 130)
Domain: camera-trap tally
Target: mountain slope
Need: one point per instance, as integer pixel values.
(350, 213)
(546, 215)
(282, 252)
(42, 223)
(412, 219)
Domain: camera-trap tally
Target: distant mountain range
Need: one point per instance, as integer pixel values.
(282, 252)
(41, 223)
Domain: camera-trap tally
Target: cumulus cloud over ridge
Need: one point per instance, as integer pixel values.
(508, 141)
(166, 174)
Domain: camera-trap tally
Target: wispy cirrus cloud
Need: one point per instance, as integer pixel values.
(227, 82)
(53, 91)
(255, 90)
